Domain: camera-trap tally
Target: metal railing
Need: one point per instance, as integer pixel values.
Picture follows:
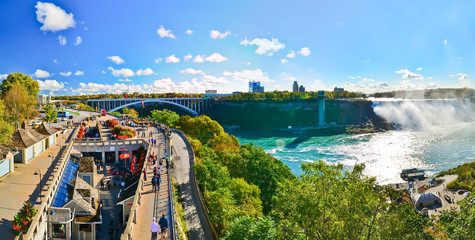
(171, 199)
(38, 227)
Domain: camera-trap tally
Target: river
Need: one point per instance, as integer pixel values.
(434, 146)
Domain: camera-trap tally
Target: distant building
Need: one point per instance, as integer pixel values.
(338, 89)
(295, 87)
(211, 91)
(236, 93)
(255, 87)
(301, 89)
(43, 99)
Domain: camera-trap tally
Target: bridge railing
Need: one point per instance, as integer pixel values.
(38, 227)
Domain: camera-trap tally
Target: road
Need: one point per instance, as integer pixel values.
(194, 214)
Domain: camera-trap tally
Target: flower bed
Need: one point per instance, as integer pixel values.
(123, 132)
(22, 220)
(111, 123)
(81, 132)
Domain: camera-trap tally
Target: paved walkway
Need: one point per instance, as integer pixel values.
(23, 184)
(194, 214)
(152, 204)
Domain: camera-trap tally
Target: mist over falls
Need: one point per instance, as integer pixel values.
(423, 114)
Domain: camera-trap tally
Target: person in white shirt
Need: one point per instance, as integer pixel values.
(154, 229)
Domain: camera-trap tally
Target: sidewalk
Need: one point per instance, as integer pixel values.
(22, 184)
(152, 205)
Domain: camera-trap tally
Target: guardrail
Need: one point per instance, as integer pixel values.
(38, 227)
(171, 198)
(197, 187)
(129, 227)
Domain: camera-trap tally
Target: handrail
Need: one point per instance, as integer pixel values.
(41, 216)
(197, 187)
(171, 201)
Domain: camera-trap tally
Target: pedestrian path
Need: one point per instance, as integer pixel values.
(152, 204)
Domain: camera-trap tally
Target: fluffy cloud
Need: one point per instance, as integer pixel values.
(446, 42)
(284, 61)
(189, 32)
(167, 85)
(463, 79)
(351, 77)
(158, 60)
(248, 75)
(65, 74)
(418, 69)
(291, 54)
(408, 74)
(172, 59)
(79, 73)
(62, 40)
(78, 41)
(51, 85)
(213, 80)
(188, 57)
(214, 34)
(198, 59)
(125, 72)
(3, 76)
(264, 45)
(116, 59)
(147, 71)
(216, 57)
(116, 88)
(125, 80)
(53, 17)
(163, 33)
(191, 71)
(287, 77)
(305, 51)
(41, 74)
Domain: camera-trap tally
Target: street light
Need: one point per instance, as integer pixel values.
(38, 172)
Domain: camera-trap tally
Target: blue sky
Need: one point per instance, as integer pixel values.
(89, 46)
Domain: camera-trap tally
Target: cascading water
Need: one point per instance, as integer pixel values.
(422, 114)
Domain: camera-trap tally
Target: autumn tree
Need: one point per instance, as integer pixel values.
(18, 104)
(26, 81)
(5, 128)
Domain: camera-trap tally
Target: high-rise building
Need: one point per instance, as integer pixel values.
(295, 87)
(301, 89)
(255, 87)
(336, 89)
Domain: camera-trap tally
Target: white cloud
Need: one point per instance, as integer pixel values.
(429, 78)
(103, 72)
(305, 51)
(188, 57)
(248, 75)
(53, 17)
(418, 69)
(147, 71)
(163, 33)
(79, 73)
(51, 85)
(41, 74)
(189, 32)
(158, 60)
(125, 72)
(446, 42)
(291, 54)
(284, 61)
(351, 77)
(198, 59)
(408, 74)
(214, 34)
(62, 40)
(213, 80)
(116, 88)
(264, 45)
(463, 79)
(172, 59)
(55, 61)
(192, 71)
(216, 57)
(125, 80)
(65, 74)
(78, 41)
(287, 77)
(3, 76)
(116, 59)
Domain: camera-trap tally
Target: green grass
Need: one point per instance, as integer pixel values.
(180, 212)
(465, 177)
(75, 113)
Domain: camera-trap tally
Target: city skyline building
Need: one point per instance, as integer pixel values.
(255, 87)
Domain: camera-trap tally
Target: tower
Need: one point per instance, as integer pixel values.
(295, 87)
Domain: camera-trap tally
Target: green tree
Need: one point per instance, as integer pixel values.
(458, 224)
(5, 128)
(18, 105)
(50, 112)
(131, 111)
(30, 85)
(165, 116)
(252, 228)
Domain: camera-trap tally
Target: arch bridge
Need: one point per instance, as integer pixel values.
(192, 105)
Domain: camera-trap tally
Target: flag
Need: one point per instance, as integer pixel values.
(143, 105)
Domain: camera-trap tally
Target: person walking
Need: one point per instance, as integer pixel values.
(154, 183)
(154, 229)
(102, 183)
(145, 175)
(163, 222)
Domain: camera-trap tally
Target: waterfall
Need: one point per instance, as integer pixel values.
(421, 114)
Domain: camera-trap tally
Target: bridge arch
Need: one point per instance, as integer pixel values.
(194, 113)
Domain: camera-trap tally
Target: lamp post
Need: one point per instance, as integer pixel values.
(38, 172)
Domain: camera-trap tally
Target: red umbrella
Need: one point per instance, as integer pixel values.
(124, 149)
(124, 155)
